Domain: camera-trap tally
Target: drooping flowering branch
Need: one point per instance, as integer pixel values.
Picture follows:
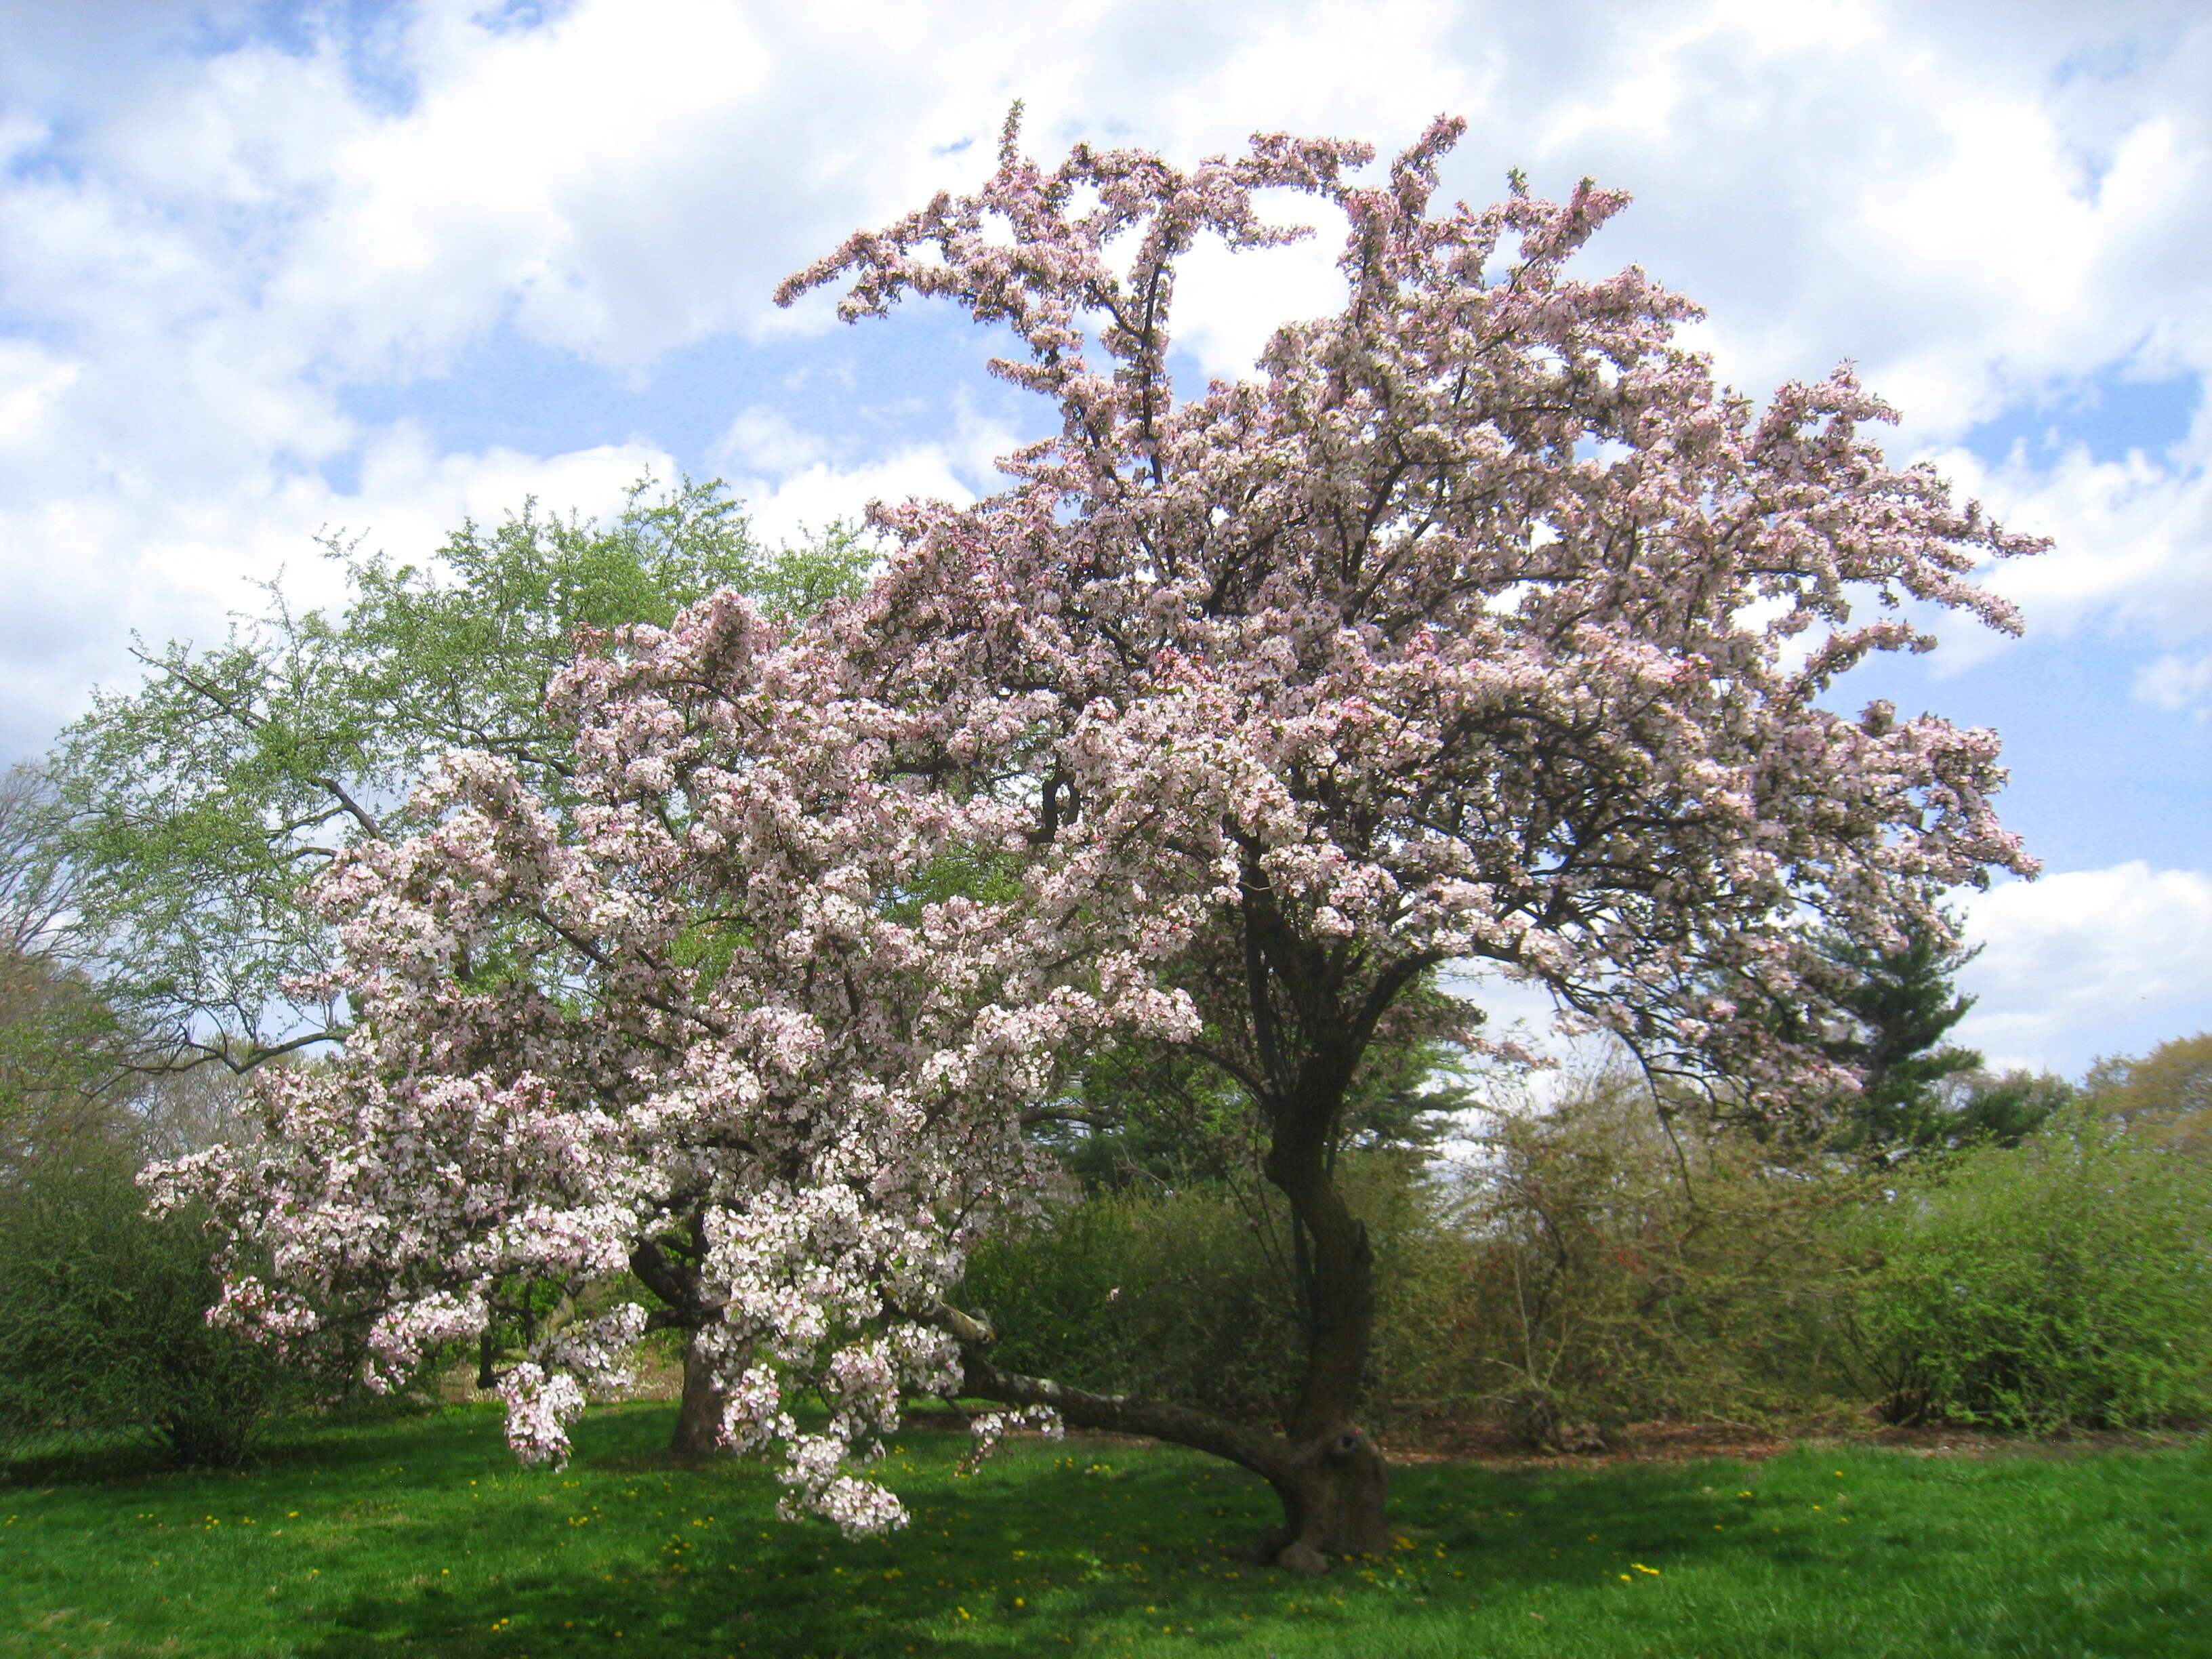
(718, 1021)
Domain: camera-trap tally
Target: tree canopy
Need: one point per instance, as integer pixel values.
(2167, 1094)
(195, 807)
(1480, 626)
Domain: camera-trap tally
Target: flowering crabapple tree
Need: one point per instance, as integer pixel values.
(1481, 627)
(716, 1032)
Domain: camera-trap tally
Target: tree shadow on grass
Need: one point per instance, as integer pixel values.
(108, 1457)
(1035, 1554)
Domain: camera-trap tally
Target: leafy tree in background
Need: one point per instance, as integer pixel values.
(1896, 1006)
(38, 898)
(1156, 1136)
(1165, 1118)
(196, 807)
(102, 1309)
(1997, 1108)
(58, 1041)
(1917, 1094)
(2166, 1096)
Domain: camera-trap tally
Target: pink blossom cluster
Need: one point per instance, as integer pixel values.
(539, 1408)
(1483, 624)
(719, 1011)
(989, 1429)
(1480, 625)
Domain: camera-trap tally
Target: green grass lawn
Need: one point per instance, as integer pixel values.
(422, 1537)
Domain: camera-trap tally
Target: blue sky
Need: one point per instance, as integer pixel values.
(268, 269)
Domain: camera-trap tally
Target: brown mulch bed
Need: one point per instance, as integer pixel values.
(1450, 1440)
(1438, 1435)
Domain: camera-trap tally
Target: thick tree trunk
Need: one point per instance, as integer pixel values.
(699, 1418)
(1332, 1491)
(1325, 1470)
(670, 1272)
(1333, 1483)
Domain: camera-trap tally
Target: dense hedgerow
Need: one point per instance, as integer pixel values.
(2064, 1284)
(1590, 1267)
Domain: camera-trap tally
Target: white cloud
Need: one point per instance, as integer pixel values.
(2081, 951)
(789, 509)
(2177, 683)
(549, 177)
(203, 251)
(2132, 538)
(793, 482)
(627, 176)
(87, 574)
(763, 443)
(20, 132)
(30, 380)
(412, 494)
(1837, 177)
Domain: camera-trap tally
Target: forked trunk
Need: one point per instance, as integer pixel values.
(699, 1418)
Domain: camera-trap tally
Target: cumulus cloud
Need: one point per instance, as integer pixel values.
(222, 223)
(2087, 950)
(794, 482)
(247, 225)
(2177, 683)
(764, 443)
(2132, 536)
(85, 575)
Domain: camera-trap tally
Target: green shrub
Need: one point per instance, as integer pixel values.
(2065, 1283)
(1614, 1267)
(102, 1315)
(1586, 1270)
(1591, 1266)
(1179, 1296)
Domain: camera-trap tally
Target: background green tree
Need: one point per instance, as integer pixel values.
(102, 1309)
(1893, 1009)
(2166, 1096)
(1899, 1005)
(195, 807)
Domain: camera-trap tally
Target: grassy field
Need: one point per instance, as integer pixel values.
(421, 1537)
